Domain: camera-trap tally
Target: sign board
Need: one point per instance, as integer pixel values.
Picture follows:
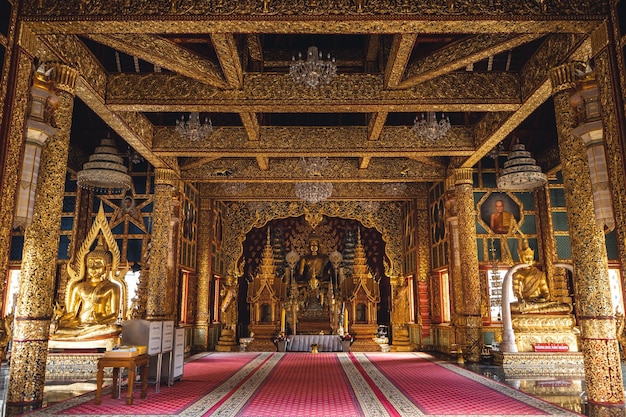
(551, 347)
(167, 342)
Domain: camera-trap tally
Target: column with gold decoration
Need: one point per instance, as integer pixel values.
(466, 214)
(161, 279)
(600, 348)
(34, 303)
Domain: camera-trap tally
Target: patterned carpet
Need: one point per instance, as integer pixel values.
(326, 384)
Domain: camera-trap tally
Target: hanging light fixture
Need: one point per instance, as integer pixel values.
(394, 189)
(520, 172)
(105, 170)
(193, 129)
(427, 127)
(313, 192)
(314, 71)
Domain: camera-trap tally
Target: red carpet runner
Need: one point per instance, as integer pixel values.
(326, 384)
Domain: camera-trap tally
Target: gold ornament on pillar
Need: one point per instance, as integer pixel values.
(590, 129)
(38, 130)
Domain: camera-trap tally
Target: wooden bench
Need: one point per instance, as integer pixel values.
(131, 363)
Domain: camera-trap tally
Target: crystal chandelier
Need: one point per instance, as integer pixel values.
(427, 127)
(314, 71)
(192, 129)
(520, 172)
(394, 189)
(105, 170)
(313, 192)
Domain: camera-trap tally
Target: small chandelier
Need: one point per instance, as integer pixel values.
(427, 127)
(520, 172)
(192, 129)
(394, 189)
(313, 192)
(105, 170)
(314, 71)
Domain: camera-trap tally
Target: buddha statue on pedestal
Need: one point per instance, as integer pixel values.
(314, 267)
(94, 304)
(530, 287)
(95, 297)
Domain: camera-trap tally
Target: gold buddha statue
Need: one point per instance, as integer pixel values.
(95, 297)
(530, 287)
(314, 267)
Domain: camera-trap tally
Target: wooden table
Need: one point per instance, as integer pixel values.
(123, 362)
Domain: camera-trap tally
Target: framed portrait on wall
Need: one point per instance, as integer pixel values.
(499, 212)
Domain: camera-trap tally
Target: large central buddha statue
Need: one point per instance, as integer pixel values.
(314, 267)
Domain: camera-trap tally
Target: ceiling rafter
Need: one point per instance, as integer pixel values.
(228, 56)
(167, 54)
(462, 53)
(401, 49)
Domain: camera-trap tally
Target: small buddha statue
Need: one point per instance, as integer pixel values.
(93, 304)
(530, 287)
(229, 302)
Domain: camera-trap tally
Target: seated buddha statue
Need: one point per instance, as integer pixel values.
(315, 267)
(530, 287)
(93, 304)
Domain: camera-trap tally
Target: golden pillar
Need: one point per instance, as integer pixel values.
(472, 320)
(161, 279)
(205, 218)
(34, 303)
(454, 262)
(612, 114)
(600, 348)
(15, 121)
(423, 266)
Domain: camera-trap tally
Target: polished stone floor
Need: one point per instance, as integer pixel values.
(566, 392)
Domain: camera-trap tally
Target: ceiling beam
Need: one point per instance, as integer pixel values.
(294, 141)
(376, 124)
(226, 50)
(462, 53)
(340, 170)
(165, 53)
(276, 93)
(133, 127)
(401, 49)
(251, 124)
(50, 18)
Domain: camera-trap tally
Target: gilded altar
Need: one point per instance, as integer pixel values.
(313, 294)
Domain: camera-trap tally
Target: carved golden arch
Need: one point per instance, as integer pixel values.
(241, 217)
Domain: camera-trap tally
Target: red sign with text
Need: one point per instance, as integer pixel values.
(551, 347)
